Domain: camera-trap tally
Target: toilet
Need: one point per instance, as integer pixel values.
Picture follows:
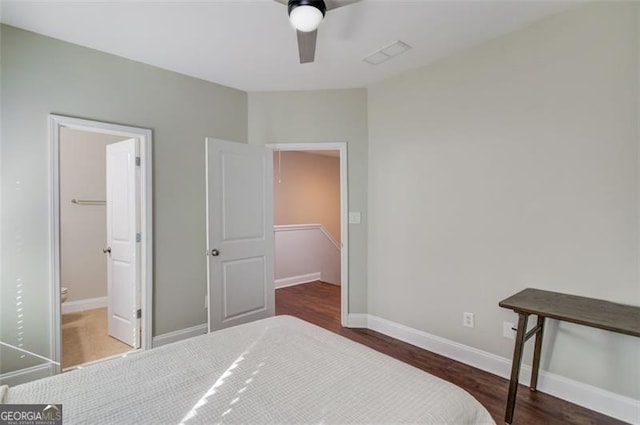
(64, 292)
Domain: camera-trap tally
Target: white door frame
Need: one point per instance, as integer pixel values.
(344, 211)
(143, 135)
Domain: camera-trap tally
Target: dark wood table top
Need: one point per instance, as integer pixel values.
(621, 318)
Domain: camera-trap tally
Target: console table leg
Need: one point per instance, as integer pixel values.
(515, 366)
(536, 355)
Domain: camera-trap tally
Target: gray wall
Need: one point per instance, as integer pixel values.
(510, 165)
(324, 116)
(40, 76)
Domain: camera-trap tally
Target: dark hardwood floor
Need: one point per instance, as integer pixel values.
(319, 303)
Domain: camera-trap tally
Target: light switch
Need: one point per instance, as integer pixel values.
(355, 218)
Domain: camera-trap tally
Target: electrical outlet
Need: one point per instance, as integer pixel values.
(507, 330)
(467, 319)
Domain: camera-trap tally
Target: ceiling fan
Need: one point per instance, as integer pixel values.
(306, 16)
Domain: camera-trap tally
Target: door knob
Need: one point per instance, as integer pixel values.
(107, 250)
(215, 252)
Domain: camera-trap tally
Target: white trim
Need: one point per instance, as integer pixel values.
(611, 404)
(84, 305)
(179, 335)
(294, 227)
(146, 221)
(27, 375)
(344, 211)
(207, 297)
(357, 320)
(296, 280)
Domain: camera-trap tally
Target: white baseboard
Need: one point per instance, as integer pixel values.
(83, 305)
(608, 403)
(355, 320)
(175, 336)
(296, 280)
(26, 375)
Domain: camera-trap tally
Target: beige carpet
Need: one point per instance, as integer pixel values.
(85, 338)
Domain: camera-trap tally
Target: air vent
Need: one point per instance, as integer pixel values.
(387, 52)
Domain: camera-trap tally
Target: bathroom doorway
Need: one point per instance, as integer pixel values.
(102, 232)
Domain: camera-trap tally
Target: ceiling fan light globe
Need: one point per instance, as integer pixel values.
(306, 18)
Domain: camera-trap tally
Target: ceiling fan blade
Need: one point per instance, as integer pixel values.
(331, 4)
(307, 40)
(334, 4)
(307, 45)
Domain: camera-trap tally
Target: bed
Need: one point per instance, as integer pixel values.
(276, 370)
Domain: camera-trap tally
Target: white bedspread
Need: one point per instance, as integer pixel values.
(277, 370)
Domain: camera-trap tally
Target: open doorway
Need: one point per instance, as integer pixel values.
(101, 222)
(310, 230)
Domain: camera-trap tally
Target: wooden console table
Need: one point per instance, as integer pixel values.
(600, 314)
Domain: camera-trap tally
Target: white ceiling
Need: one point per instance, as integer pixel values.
(249, 44)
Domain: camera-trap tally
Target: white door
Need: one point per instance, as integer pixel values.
(123, 271)
(239, 233)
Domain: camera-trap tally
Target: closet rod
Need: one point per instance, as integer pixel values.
(87, 202)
